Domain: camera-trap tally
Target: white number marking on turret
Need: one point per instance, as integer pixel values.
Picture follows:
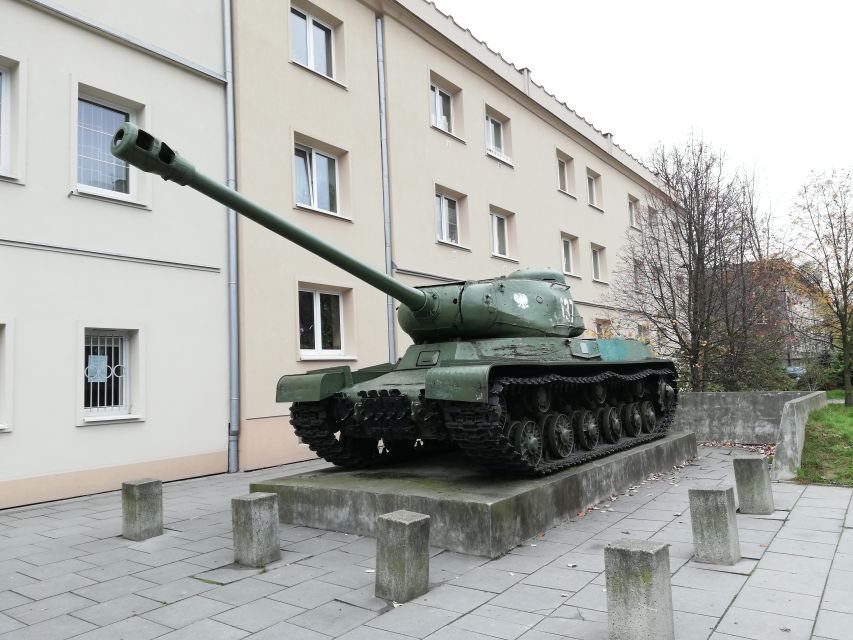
(520, 300)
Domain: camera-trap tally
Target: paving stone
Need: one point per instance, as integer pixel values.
(333, 560)
(747, 623)
(487, 579)
(788, 563)
(491, 627)
(806, 584)
(333, 618)
(298, 534)
(185, 612)
(801, 548)
(744, 566)
(9, 599)
(213, 559)
(259, 614)
(53, 586)
(362, 547)
(58, 628)
(692, 626)
(525, 597)
(454, 633)
(228, 574)
(309, 594)
(314, 546)
(454, 598)
(239, 593)
(130, 629)
(834, 625)
(55, 569)
(160, 558)
(840, 600)
(352, 576)
(708, 580)
(781, 602)
(700, 600)
(103, 591)
(593, 596)
(9, 624)
(44, 556)
(517, 563)
(414, 620)
(562, 578)
(172, 592)
(839, 579)
(584, 624)
(207, 629)
(291, 574)
(370, 633)
(170, 572)
(285, 630)
(111, 611)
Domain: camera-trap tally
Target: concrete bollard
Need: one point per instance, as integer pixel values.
(712, 513)
(639, 590)
(402, 555)
(254, 521)
(752, 479)
(142, 509)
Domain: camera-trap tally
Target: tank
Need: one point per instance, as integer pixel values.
(497, 368)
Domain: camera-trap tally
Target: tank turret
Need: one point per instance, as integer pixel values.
(496, 368)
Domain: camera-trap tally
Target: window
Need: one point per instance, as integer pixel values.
(638, 274)
(106, 370)
(593, 188)
(500, 233)
(569, 252)
(6, 378)
(441, 108)
(602, 328)
(633, 212)
(651, 219)
(497, 135)
(97, 168)
(446, 218)
(311, 43)
(598, 263)
(565, 173)
(643, 332)
(320, 323)
(316, 179)
(5, 120)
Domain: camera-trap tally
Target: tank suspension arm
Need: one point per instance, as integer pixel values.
(147, 153)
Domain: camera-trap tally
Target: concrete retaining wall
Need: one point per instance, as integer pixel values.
(750, 417)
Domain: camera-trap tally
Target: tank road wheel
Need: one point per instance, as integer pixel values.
(610, 424)
(559, 434)
(631, 419)
(585, 428)
(527, 439)
(595, 395)
(537, 399)
(649, 417)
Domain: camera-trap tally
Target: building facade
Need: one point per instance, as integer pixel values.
(113, 305)
(386, 129)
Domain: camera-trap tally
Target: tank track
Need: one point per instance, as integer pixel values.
(474, 428)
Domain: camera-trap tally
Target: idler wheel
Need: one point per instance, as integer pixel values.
(649, 417)
(632, 419)
(585, 428)
(537, 399)
(610, 424)
(526, 437)
(664, 395)
(559, 434)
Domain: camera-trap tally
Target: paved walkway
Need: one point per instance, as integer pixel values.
(64, 572)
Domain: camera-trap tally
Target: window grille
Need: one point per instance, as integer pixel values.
(106, 388)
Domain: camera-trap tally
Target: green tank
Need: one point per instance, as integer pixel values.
(497, 368)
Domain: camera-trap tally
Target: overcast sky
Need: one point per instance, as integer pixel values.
(769, 82)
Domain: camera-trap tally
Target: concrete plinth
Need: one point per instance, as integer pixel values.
(142, 509)
(402, 555)
(752, 479)
(254, 521)
(639, 590)
(472, 511)
(712, 514)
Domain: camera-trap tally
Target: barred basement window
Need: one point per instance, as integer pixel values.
(106, 387)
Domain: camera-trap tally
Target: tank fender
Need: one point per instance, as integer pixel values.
(460, 383)
(313, 386)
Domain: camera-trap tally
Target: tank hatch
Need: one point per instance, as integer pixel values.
(537, 274)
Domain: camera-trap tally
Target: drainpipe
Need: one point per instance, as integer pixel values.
(386, 191)
(233, 291)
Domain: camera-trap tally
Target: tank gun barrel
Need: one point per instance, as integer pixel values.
(145, 152)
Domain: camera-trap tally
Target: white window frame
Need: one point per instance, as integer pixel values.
(5, 120)
(595, 255)
(442, 219)
(318, 351)
(133, 180)
(110, 411)
(435, 93)
(312, 173)
(309, 43)
(633, 212)
(490, 137)
(568, 242)
(562, 175)
(592, 189)
(494, 224)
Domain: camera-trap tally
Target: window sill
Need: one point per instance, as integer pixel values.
(452, 245)
(93, 420)
(497, 155)
(634, 227)
(604, 282)
(10, 177)
(4, 428)
(104, 196)
(498, 256)
(566, 193)
(330, 214)
(320, 75)
(316, 357)
(596, 207)
(572, 275)
(449, 134)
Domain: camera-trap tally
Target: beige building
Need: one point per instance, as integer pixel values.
(113, 294)
(385, 128)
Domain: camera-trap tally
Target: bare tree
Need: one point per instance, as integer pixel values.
(824, 246)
